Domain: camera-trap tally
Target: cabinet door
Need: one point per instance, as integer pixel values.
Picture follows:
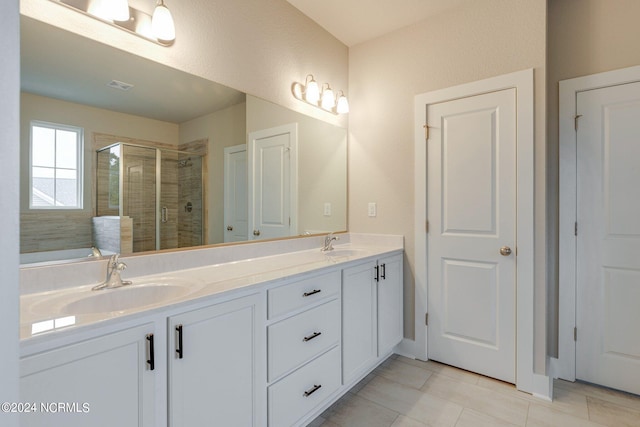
(105, 381)
(359, 329)
(213, 373)
(390, 294)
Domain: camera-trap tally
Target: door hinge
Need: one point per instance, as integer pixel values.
(426, 226)
(575, 229)
(289, 221)
(575, 334)
(426, 319)
(426, 132)
(575, 121)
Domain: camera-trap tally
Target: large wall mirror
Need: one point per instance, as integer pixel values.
(126, 155)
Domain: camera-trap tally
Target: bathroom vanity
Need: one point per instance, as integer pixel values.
(269, 340)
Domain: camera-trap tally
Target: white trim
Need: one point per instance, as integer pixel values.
(522, 81)
(406, 348)
(565, 366)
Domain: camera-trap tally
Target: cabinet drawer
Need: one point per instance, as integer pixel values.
(297, 339)
(295, 295)
(297, 394)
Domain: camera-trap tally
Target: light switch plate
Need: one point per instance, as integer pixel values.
(327, 209)
(372, 209)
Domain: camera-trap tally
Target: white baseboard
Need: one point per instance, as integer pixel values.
(542, 387)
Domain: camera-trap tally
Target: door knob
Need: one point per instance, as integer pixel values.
(256, 232)
(229, 228)
(505, 251)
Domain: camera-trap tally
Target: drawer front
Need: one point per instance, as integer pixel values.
(303, 390)
(298, 339)
(295, 295)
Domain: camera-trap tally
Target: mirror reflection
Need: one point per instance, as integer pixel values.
(126, 155)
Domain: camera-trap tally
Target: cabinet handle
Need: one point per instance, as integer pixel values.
(384, 272)
(312, 390)
(377, 277)
(179, 347)
(151, 361)
(315, 291)
(312, 336)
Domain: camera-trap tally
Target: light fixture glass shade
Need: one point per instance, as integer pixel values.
(162, 23)
(343, 105)
(118, 10)
(328, 99)
(312, 92)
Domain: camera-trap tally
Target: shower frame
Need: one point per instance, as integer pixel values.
(158, 180)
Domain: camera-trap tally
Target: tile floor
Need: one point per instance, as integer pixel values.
(410, 393)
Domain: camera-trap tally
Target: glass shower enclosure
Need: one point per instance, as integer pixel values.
(157, 193)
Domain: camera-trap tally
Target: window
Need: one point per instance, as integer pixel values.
(56, 166)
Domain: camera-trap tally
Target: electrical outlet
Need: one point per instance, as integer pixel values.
(372, 209)
(327, 209)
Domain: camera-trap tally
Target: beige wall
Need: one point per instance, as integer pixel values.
(322, 164)
(585, 37)
(478, 40)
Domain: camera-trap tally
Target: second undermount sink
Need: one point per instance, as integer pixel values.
(345, 253)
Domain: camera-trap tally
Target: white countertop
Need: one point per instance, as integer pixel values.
(48, 312)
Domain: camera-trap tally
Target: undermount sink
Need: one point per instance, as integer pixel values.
(126, 298)
(345, 253)
(137, 295)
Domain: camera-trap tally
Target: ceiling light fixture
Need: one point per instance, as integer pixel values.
(312, 94)
(158, 28)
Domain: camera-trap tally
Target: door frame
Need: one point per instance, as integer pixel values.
(522, 81)
(565, 365)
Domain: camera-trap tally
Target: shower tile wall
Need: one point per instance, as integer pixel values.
(190, 191)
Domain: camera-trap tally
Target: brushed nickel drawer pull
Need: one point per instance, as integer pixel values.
(315, 291)
(312, 336)
(312, 390)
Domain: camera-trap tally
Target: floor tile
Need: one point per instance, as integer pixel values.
(542, 416)
(403, 373)
(404, 421)
(563, 399)
(442, 369)
(354, 411)
(471, 418)
(607, 413)
(408, 401)
(506, 408)
(613, 396)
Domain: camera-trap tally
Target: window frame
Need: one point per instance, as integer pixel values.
(79, 164)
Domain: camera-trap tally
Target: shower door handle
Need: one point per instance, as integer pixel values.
(164, 215)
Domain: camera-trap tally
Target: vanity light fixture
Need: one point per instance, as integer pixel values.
(162, 23)
(158, 28)
(310, 93)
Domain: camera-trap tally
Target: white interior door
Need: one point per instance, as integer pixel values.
(272, 182)
(235, 194)
(608, 237)
(471, 206)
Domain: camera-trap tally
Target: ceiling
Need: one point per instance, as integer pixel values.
(355, 21)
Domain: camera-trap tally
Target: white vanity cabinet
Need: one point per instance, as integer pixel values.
(215, 358)
(303, 342)
(371, 314)
(104, 381)
(390, 303)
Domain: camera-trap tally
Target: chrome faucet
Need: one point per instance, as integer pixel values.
(95, 252)
(328, 242)
(114, 268)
